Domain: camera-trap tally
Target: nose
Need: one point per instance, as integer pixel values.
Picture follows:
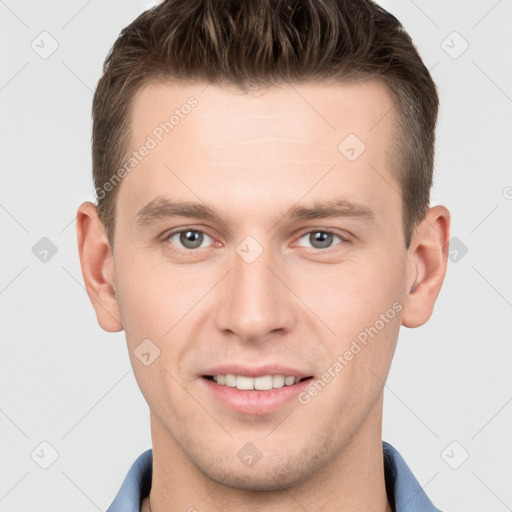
(255, 302)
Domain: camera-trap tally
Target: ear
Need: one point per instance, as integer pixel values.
(427, 260)
(97, 265)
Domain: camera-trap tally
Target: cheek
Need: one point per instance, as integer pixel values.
(356, 368)
(161, 309)
(156, 305)
(353, 295)
(361, 303)
(153, 297)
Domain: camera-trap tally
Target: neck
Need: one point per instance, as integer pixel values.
(353, 481)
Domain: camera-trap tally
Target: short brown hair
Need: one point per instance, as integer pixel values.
(257, 43)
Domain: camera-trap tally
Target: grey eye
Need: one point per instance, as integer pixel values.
(189, 238)
(320, 239)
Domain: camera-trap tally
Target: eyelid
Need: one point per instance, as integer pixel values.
(344, 235)
(168, 234)
(344, 238)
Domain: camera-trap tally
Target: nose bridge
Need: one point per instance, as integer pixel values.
(255, 302)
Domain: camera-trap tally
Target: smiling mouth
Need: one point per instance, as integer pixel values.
(262, 383)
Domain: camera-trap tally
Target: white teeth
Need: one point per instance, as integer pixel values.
(230, 380)
(244, 382)
(263, 383)
(277, 381)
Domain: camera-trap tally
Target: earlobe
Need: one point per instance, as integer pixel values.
(427, 261)
(97, 265)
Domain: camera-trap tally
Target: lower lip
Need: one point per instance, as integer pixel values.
(254, 401)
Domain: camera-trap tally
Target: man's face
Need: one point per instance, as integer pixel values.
(257, 292)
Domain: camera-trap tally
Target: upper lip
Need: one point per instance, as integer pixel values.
(256, 371)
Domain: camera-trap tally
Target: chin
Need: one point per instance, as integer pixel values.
(281, 471)
(264, 479)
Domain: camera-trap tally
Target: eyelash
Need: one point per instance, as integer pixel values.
(168, 236)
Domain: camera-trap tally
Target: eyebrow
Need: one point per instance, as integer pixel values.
(163, 208)
(329, 209)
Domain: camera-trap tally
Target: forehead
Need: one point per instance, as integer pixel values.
(317, 114)
(281, 138)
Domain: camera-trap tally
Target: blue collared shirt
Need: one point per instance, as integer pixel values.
(404, 492)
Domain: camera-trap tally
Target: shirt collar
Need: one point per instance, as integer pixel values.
(404, 492)
(135, 486)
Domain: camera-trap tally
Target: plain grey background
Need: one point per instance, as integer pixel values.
(69, 385)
